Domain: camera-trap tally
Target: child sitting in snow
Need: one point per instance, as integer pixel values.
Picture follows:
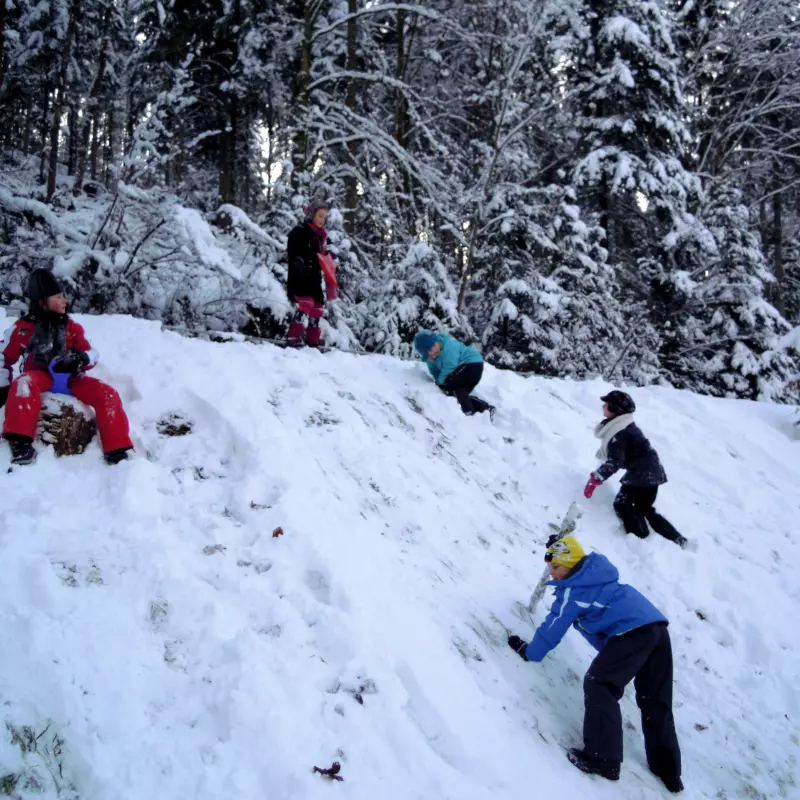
(456, 368)
(624, 446)
(54, 349)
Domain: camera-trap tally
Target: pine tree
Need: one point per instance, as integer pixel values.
(726, 344)
(632, 138)
(417, 295)
(555, 312)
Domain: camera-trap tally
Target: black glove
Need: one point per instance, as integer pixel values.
(72, 363)
(518, 646)
(551, 540)
(3, 396)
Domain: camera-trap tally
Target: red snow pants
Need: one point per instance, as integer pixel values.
(25, 402)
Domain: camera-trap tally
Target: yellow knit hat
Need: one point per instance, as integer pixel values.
(566, 552)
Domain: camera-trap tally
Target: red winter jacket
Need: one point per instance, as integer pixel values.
(16, 339)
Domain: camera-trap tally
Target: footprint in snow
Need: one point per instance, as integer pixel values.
(319, 585)
(433, 727)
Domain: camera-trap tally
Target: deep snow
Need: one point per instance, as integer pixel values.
(410, 533)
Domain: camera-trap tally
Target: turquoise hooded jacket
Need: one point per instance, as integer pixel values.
(452, 356)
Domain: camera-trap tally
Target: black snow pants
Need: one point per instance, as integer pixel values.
(644, 656)
(461, 382)
(634, 507)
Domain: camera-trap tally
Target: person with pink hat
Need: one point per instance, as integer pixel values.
(307, 245)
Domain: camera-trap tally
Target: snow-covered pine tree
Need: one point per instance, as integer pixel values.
(743, 74)
(726, 344)
(417, 294)
(632, 135)
(555, 312)
(539, 285)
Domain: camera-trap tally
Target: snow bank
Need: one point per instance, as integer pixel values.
(160, 642)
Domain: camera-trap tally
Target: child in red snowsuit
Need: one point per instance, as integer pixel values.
(47, 339)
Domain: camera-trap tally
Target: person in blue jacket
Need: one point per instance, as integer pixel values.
(631, 636)
(457, 368)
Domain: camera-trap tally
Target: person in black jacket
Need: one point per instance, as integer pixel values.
(304, 285)
(624, 446)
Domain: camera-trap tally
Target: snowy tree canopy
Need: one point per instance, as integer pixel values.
(575, 187)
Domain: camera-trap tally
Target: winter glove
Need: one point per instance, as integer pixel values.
(3, 396)
(518, 646)
(591, 485)
(72, 363)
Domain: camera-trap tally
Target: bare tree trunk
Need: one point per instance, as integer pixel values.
(43, 131)
(402, 118)
(58, 102)
(94, 153)
(106, 156)
(300, 145)
(2, 44)
(246, 193)
(180, 159)
(83, 147)
(72, 143)
(230, 134)
(350, 181)
(270, 121)
(130, 122)
(227, 172)
(764, 228)
(777, 241)
(28, 129)
(114, 146)
(402, 122)
(607, 221)
(92, 116)
(467, 264)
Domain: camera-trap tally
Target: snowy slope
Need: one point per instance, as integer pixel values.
(410, 534)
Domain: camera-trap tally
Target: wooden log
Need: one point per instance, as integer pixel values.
(66, 424)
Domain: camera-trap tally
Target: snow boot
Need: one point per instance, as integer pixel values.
(22, 452)
(673, 783)
(593, 766)
(296, 333)
(313, 336)
(115, 456)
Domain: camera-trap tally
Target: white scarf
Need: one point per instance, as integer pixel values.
(605, 432)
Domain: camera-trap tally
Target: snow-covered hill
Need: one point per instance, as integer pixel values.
(158, 641)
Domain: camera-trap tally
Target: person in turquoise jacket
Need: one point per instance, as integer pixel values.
(457, 368)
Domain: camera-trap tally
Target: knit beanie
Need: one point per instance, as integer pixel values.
(42, 284)
(423, 342)
(565, 552)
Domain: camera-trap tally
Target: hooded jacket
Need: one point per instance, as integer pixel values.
(596, 604)
(452, 356)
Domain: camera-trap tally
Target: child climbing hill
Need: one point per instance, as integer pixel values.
(457, 368)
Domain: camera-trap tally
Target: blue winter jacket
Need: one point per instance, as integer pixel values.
(596, 604)
(453, 355)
